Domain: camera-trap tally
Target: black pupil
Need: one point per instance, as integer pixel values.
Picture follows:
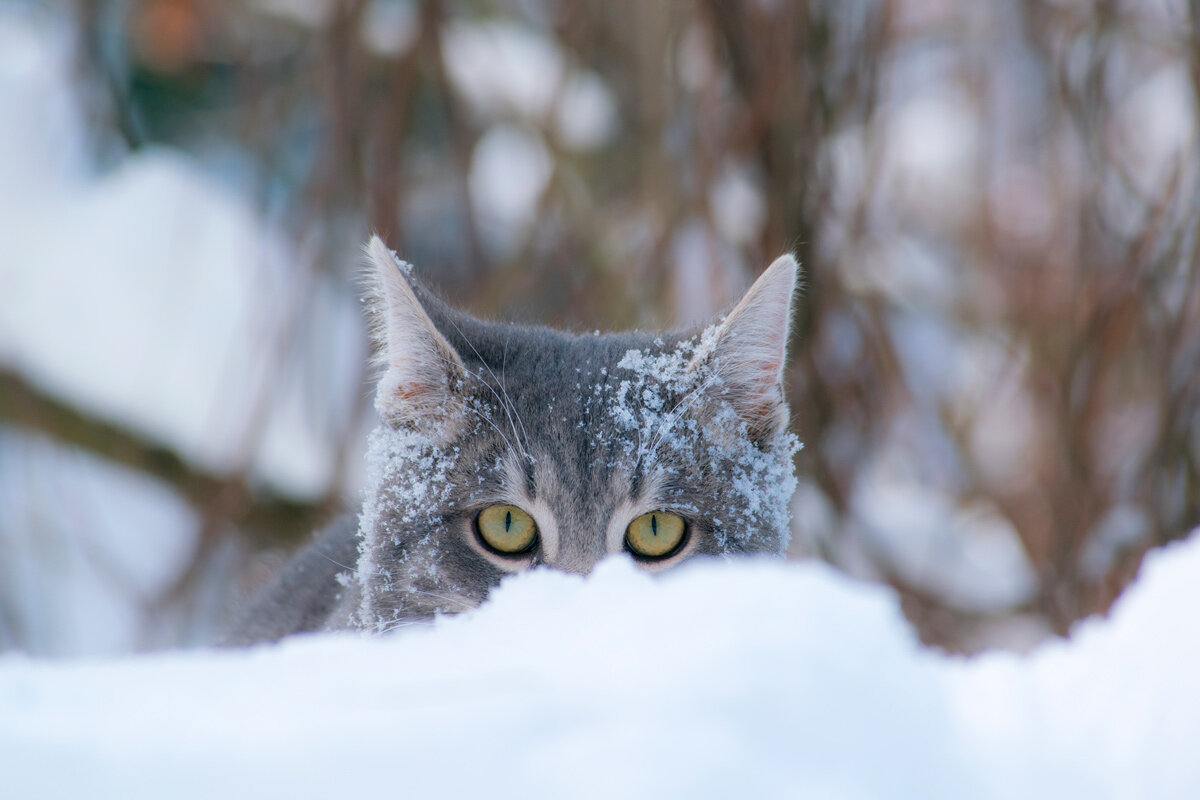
(507, 520)
(654, 525)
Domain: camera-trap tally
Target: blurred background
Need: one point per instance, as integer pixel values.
(997, 206)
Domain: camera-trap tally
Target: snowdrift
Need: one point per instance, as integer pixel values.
(748, 679)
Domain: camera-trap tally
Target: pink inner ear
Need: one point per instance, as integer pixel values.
(755, 384)
(421, 364)
(751, 348)
(413, 391)
(766, 375)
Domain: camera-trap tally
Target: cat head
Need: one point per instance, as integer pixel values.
(505, 447)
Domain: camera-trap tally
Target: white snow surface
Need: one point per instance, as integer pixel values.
(734, 679)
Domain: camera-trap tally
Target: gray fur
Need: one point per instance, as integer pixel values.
(583, 432)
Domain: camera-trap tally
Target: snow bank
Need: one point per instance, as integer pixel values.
(744, 679)
(155, 296)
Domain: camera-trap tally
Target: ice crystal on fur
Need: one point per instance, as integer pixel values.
(674, 406)
(407, 486)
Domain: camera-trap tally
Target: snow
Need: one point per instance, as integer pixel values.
(760, 480)
(408, 485)
(935, 138)
(586, 117)
(746, 678)
(309, 13)
(738, 207)
(151, 295)
(707, 274)
(180, 258)
(510, 170)
(161, 301)
(969, 556)
(78, 576)
(507, 70)
(390, 28)
(1156, 125)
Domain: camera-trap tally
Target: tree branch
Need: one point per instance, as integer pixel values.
(273, 519)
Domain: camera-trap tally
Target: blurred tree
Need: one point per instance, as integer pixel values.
(996, 205)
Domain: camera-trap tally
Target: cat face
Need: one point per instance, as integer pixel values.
(504, 448)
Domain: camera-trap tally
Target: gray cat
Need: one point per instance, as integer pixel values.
(503, 448)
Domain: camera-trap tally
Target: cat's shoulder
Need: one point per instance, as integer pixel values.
(308, 593)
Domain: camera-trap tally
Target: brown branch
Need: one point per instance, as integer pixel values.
(272, 518)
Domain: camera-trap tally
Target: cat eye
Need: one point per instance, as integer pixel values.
(506, 529)
(656, 535)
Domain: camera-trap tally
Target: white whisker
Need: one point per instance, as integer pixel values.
(677, 411)
(506, 401)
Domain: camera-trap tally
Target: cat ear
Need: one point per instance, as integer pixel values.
(422, 372)
(749, 350)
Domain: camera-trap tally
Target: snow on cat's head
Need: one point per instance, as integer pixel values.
(504, 447)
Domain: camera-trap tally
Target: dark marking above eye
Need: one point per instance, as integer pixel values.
(530, 485)
(635, 482)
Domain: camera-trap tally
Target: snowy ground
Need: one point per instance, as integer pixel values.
(760, 679)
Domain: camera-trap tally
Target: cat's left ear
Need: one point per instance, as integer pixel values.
(749, 351)
(419, 387)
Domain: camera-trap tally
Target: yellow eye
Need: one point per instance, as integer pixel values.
(506, 529)
(655, 535)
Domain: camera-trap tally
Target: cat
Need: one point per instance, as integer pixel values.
(503, 448)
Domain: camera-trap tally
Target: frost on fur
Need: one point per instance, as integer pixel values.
(407, 485)
(677, 409)
(717, 399)
(578, 427)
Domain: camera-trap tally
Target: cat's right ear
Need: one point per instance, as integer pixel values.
(420, 386)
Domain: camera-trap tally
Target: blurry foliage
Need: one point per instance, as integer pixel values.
(996, 205)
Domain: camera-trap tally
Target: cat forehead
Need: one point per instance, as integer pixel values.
(543, 354)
